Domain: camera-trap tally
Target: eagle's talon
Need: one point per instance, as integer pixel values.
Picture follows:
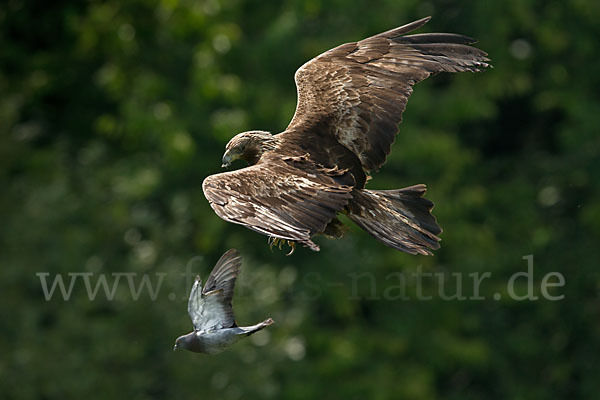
(278, 242)
(275, 241)
(293, 247)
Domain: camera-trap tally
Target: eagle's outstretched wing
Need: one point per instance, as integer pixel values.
(281, 196)
(358, 91)
(210, 307)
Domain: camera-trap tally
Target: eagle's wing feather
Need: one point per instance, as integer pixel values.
(282, 197)
(210, 307)
(358, 91)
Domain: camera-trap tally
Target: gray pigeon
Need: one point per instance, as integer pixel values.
(211, 312)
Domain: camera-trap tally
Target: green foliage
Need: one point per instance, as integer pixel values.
(113, 112)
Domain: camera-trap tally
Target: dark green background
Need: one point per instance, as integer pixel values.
(113, 112)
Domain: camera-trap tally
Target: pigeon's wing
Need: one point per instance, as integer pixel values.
(210, 307)
(224, 274)
(215, 312)
(195, 302)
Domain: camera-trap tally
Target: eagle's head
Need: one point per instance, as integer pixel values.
(248, 146)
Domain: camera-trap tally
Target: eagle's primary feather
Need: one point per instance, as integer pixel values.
(350, 102)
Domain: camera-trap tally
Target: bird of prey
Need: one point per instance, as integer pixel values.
(350, 102)
(211, 312)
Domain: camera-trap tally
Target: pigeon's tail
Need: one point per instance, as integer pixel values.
(399, 218)
(249, 330)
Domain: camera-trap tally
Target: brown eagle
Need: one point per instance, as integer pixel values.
(350, 102)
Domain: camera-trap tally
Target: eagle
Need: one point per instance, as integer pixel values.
(350, 102)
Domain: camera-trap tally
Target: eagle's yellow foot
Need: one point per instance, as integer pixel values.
(273, 241)
(277, 242)
(293, 247)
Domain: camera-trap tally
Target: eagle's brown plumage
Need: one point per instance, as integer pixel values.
(350, 102)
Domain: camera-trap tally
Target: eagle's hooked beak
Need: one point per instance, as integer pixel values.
(227, 159)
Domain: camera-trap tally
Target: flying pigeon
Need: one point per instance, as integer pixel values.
(211, 312)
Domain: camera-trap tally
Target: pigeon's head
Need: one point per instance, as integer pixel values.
(248, 146)
(184, 341)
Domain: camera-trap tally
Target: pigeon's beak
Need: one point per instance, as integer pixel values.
(227, 159)
(175, 347)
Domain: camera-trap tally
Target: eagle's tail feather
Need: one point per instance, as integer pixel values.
(399, 218)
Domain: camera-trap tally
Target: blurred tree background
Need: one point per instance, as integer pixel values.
(112, 113)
